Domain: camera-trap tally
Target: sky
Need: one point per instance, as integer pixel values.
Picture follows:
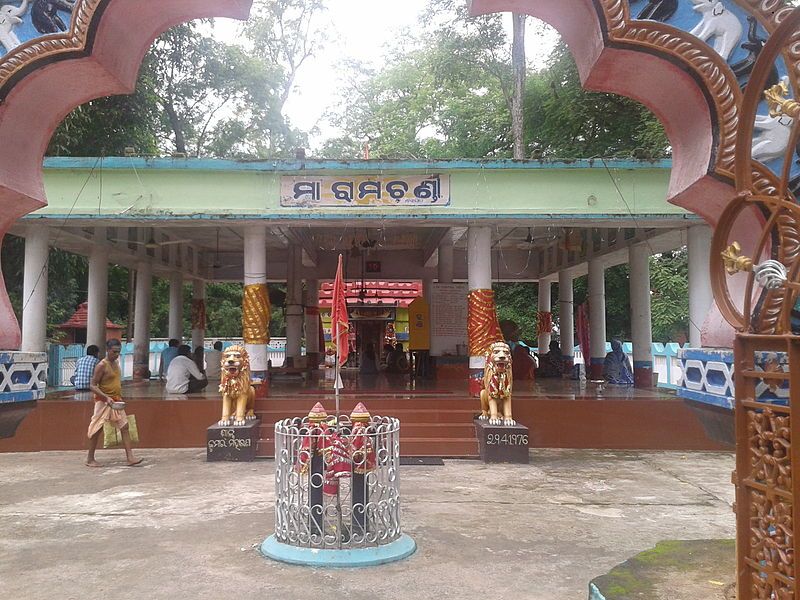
(360, 30)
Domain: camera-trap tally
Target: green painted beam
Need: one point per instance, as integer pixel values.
(87, 188)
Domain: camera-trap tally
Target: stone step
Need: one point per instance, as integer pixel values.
(301, 405)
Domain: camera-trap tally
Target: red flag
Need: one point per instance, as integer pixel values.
(339, 322)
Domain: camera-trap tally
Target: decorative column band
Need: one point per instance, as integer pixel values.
(312, 311)
(198, 313)
(483, 328)
(256, 312)
(544, 322)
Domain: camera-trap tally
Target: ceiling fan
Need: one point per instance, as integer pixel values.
(217, 263)
(151, 243)
(530, 239)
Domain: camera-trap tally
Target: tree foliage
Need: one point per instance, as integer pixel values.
(445, 92)
(448, 92)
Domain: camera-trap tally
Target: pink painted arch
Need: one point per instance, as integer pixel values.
(666, 87)
(672, 89)
(37, 103)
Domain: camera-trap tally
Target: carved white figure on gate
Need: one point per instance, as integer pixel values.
(9, 19)
(719, 23)
(772, 138)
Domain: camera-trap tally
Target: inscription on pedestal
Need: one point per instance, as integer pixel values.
(235, 443)
(502, 444)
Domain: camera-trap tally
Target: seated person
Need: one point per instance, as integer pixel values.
(523, 364)
(167, 354)
(397, 361)
(183, 376)
(369, 361)
(387, 354)
(84, 368)
(199, 358)
(213, 362)
(617, 367)
(552, 363)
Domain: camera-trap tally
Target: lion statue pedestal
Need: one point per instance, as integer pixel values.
(500, 437)
(235, 436)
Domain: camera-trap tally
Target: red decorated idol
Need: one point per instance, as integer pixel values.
(362, 450)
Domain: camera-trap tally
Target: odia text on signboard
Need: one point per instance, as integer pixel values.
(366, 190)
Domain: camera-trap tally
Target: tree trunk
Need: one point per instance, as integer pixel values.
(518, 65)
(177, 127)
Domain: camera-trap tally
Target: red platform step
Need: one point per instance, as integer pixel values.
(444, 429)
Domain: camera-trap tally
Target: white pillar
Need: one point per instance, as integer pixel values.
(566, 318)
(255, 272)
(597, 319)
(479, 277)
(700, 294)
(427, 288)
(98, 294)
(479, 258)
(544, 307)
(445, 266)
(199, 298)
(34, 290)
(312, 319)
(176, 307)
(641, 325)
(141, 320)
(199, 294)
(294, 310)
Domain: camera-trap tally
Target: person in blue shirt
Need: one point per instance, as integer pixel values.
(167, 354)
(84, 369)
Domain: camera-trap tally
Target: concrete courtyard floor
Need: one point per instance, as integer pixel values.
(183, 528)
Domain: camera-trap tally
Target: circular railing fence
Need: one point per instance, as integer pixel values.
(337, 487)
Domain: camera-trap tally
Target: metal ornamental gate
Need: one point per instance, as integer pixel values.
(765, 489)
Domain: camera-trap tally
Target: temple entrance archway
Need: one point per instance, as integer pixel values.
(687, 64)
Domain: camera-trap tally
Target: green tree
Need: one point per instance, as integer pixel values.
(669, 285)
(565, 121)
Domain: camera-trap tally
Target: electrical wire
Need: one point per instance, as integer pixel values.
(636, 224)
(59, 231)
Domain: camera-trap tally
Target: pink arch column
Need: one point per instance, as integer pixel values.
(32, 110)
(666, 86)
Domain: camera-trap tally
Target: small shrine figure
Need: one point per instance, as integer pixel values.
(337, 461)
(313, 440)
(362, 451)
(323, 442)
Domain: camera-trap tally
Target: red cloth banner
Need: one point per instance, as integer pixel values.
(544, 323)
(340, 323)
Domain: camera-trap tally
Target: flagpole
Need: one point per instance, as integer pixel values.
(336, 371)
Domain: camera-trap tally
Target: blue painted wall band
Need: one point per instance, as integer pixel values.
(307, 166)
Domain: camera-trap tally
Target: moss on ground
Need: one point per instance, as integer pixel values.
(671, 560)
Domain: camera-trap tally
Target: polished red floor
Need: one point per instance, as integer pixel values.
(436, 415)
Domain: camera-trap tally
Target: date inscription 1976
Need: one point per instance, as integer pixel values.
(507, 439)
